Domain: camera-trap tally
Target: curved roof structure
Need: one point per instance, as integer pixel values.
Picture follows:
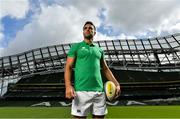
(154, 54)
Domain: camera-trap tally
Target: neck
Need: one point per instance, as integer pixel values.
(89, 41)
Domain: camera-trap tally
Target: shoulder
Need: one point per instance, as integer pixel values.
(97, 46)
(74, 48)
(76, 45)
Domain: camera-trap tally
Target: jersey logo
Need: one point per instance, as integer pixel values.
(78, 111)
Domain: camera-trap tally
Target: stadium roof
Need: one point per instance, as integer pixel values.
(151, 54)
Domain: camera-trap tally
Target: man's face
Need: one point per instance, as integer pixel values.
(89, 31)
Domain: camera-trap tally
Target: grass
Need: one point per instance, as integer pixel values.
(114, 112)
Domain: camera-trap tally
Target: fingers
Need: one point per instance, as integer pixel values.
(73, 93)
(70, 94)
(118, 92)
(117, 95)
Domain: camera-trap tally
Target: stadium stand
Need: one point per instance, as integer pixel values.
(146, 68)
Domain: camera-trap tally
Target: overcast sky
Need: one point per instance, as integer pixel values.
(29, 24)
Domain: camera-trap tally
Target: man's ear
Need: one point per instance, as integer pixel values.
(94, 33)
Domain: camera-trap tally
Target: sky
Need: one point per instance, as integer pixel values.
(30, 24)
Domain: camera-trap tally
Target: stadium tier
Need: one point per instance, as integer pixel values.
(146, 68)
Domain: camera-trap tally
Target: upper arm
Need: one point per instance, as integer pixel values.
(104, 65)
(71, 55)
(70, 62)
(103, 61)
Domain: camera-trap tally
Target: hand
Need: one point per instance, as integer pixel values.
(70, 93)
(118, 91)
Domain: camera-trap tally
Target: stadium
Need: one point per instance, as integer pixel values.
(147, 69)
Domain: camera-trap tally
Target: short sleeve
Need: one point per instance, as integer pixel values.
(102, 53)
(73, 50)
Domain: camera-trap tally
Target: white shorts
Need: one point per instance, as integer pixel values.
(89, 102)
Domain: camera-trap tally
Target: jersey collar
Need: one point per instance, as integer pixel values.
(91, 45)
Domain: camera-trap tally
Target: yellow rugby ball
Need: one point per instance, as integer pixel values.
(110, 90)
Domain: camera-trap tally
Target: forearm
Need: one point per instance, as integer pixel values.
(110, 76)
(67, 77)
(70, 94)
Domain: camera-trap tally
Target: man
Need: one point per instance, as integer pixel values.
(87, 93)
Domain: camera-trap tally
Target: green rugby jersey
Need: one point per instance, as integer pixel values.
(87, 66)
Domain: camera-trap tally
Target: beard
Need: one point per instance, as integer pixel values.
(89, 36)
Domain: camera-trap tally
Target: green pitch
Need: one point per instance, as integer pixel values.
(114, 112)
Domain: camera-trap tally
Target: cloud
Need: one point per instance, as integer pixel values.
(54, 25)
(1, 34)
(56, 21)
(1, 51)
(175, 28)
(14, 8)
(138, 16)
(171, 24)
(99, 36)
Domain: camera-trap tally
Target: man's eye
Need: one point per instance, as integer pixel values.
(88, 28)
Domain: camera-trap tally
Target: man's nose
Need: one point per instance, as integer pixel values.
(87, 29)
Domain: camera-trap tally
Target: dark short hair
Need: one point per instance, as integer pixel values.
(89, 22)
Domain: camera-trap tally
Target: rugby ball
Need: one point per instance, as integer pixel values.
(110, 90)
